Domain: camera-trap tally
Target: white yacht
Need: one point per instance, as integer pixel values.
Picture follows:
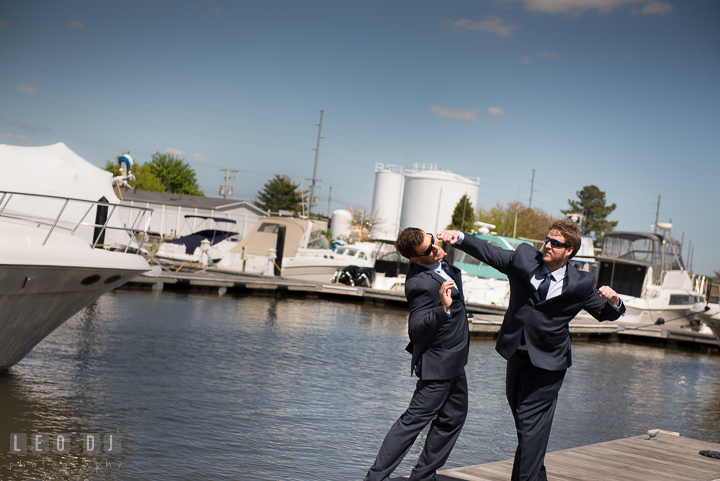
(47, 274)
(306, 252)
(648, 273)
(65, 240)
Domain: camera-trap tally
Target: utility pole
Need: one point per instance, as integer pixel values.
(532, 188)
(657, 214)
(314, 177)
(227, 177)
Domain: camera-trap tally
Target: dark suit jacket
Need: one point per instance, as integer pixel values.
(439, 345)
(545, 323)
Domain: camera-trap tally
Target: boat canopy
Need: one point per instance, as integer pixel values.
(56, 170)
(263, 236)
(216, 219)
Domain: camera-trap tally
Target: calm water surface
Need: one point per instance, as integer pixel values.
(210, 388)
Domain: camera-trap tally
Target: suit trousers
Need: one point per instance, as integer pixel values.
(532, 393)
(445, 403)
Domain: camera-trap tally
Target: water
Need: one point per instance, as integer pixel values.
(204, 387)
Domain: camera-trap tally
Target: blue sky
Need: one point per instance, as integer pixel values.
(622, 94)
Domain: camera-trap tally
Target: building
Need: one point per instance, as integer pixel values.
(168, 219)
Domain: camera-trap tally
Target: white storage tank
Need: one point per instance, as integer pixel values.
(431, 196)
(387, 201)
(341, 223)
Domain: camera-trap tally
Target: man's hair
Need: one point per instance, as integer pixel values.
(409, 240)
(571, 232)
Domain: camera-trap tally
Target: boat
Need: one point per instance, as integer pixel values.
(709, 314)
(207, 244)
(48, 274)
(65, 240)
(647, 271)
(305, 252)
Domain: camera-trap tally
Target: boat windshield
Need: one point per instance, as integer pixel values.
(642, 249)
(318, 241)
(635, 249)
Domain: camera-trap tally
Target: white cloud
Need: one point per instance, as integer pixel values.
(4, 22)
(459, 114)
(493, 25)
(655, 8)
(181, 154)
(25, 89)
(495, 114)
(547, 55)
(76, 24)
(525, 60)
(14, 138)
(199, 157)
(175, 152)
(602, 6)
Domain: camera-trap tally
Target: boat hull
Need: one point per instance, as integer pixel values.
(36, 300)
(711, 318)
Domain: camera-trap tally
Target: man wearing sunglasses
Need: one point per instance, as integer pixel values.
(546, 293)
(438, 331)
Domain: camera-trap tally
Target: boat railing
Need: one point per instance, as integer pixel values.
(139, 217)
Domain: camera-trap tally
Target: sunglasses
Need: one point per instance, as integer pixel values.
(555, 243)
(429, 249)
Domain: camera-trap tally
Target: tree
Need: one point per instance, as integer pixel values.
(144, 178)
(591, 204)
(530, 224)
(175, 174)
(279, 193)
(463, 217)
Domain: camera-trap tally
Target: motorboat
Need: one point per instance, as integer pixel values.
(647, 271)
(47, 274)
(210, 240)
(65, 240)
(304, 251)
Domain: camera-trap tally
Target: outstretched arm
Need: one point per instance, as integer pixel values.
(483, 251)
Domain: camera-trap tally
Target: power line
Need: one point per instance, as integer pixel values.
(174, 102)
(153, 126)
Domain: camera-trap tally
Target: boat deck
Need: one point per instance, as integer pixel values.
(668, 457)
(485, 320)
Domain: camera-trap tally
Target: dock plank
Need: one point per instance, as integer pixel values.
(667, 457)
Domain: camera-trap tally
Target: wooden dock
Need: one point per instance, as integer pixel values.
(485, 320)
(668, 457)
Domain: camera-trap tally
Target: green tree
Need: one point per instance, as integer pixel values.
(279, 193)
(463, 217)
(144, 178)
(592, 205)
(175, 174)
(530, 223)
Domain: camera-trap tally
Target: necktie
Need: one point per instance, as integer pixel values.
(444, 266)
(544, 287)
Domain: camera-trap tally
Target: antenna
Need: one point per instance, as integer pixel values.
(314, 177)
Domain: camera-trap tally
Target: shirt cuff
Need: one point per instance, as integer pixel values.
(461, 238)
(617, 308)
